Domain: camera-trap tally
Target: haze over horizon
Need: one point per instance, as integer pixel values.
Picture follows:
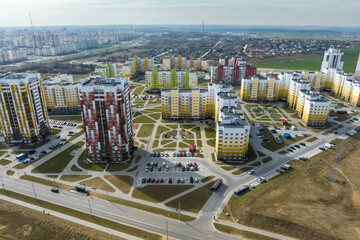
(159, 12)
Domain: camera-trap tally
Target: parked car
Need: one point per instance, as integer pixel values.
(156, 180)
(178, 180)
(55, 190)
(321, 148)
(191, 180)
(170, 180)
(143, 180)
(161, 180)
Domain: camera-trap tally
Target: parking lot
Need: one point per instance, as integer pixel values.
(171, 168)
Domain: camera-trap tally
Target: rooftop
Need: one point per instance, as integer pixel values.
(184, 90)
(98, 81)
(232, 117)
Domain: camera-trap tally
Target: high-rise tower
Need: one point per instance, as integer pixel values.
(106, 111)
(23, 109)
(357, 71)
(333, 58)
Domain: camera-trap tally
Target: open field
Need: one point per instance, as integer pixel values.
(187, 202)
(74, 178)
(159, 193)
(307, 62)
(19, 222)
(145, 130)
(303, 203)
(84, 163)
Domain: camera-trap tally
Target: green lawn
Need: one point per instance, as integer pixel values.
(159, 193)
(47, 182)
(187, 126)
(205, 179)
(211, 143)
(145, 130)
(155, 115)
(4, 162)
(171, 145)
(59, 162)
(199, 143)
(155, 144)
(84, 163)
(187, 202)
(114, 167)
(75, 168)
(143, 119)
(74, 178)
(196, 130)
(122, 182)
(183, 145)
(166, 141)
(3, 145)
(228, 168)
(69, 118)
(159, 130)
(98, 183)
(55, 131)
(190, 142)
(138, 90)
(210, 132)
(313, 139)
(2, 153)
(137, 114)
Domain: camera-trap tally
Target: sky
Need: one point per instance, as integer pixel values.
(220, 12)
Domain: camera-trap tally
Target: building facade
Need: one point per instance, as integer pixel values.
(333, 58)
(231, 71)
(166, 79)
(24, 116)
(107, 119)
(316, 110)
(61, 94)
(232, 135)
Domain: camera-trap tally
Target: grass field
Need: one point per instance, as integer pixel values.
(210, 133)
(241, 233)
(74, 178)
(161, 129)
(159, 193)
(303, 203)
(98, 183)
(143, 119)
(121, 182)
(145, 130)
(75, 168)
(59, 162)
(55, 131)
(307, 62)
(69, 118)
(19, 222)
(47, 182)
(187, 202)
(4, 162)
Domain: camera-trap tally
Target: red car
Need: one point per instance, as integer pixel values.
(161, 180)
(322, 148)
(157, 180)
(181, 154)
(147, 164)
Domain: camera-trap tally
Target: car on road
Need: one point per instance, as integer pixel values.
(143, 180)
(170, 180)
(336, 132)
(251, 172)
(55, 190)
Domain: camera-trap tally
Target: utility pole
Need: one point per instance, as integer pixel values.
(90, 207)
(167, 230)
(179, 211)
(34, 191)
(335, 171)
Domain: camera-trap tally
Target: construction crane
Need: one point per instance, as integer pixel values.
(31, 22)
(334, 172)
